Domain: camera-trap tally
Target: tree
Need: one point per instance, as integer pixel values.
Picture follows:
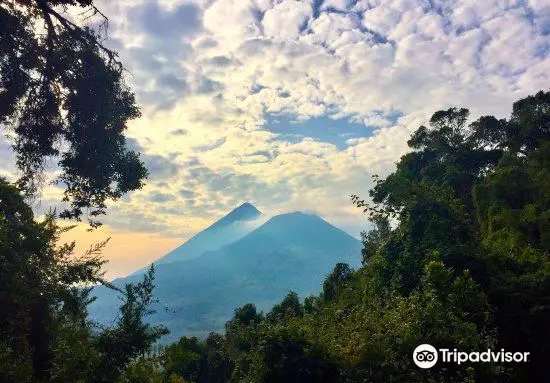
(246, 315)
(288, 357)
(183, 359)
(335, 281)
(472, 205)
(529, 125)
(36, 276)
(44, 294)
(63, 96)
(375, 238)
(216, 366)
(132, 337)
(289, 307)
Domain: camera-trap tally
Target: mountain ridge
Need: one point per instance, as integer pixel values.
(291, 251)
(233, 225)
(244, 212)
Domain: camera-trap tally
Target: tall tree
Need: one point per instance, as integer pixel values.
(44, 294)
(63, 96)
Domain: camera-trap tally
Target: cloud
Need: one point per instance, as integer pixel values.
(161, 197)
(218, 143)
(7, 159)
(293, 105)
(287, 19)
(220, 61)
(172, 82)
(187, 193)
(179, 132)
(158, 22)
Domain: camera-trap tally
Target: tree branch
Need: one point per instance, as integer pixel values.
(77, 32)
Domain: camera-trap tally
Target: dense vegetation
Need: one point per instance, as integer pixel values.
(464, 265)
(63, 97)
(44, 333)
(458, 256)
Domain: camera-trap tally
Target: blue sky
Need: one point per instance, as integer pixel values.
(323, 129)
(293, 105)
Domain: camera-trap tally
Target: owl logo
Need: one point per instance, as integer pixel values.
(425, 356)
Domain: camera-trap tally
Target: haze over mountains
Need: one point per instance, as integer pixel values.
(234, 261)
(230, 228)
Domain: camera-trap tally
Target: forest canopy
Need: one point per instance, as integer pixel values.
(464, 265)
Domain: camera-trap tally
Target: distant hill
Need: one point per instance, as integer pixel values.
(293, 251)
(230, 228)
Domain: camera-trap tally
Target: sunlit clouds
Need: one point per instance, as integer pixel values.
(228, 88)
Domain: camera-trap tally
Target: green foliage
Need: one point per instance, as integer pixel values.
(335, 282)
(183, 359)
(289, 307)
(143, 370)
(131, 337)
(375, 238)
(287, 356)
(36, 276)
(245, 316)
(472, 204)
(465, 267)
(44, 333)
(62, 94)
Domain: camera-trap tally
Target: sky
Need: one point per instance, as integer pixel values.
(294, 105)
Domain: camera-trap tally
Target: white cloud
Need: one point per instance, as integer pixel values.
(219, 69)
(232, 21)
(339, 5)
(286, 19)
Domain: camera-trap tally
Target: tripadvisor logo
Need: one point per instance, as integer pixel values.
(426, 356)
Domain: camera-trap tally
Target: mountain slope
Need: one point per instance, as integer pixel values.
(232, 227)
(292, 251)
